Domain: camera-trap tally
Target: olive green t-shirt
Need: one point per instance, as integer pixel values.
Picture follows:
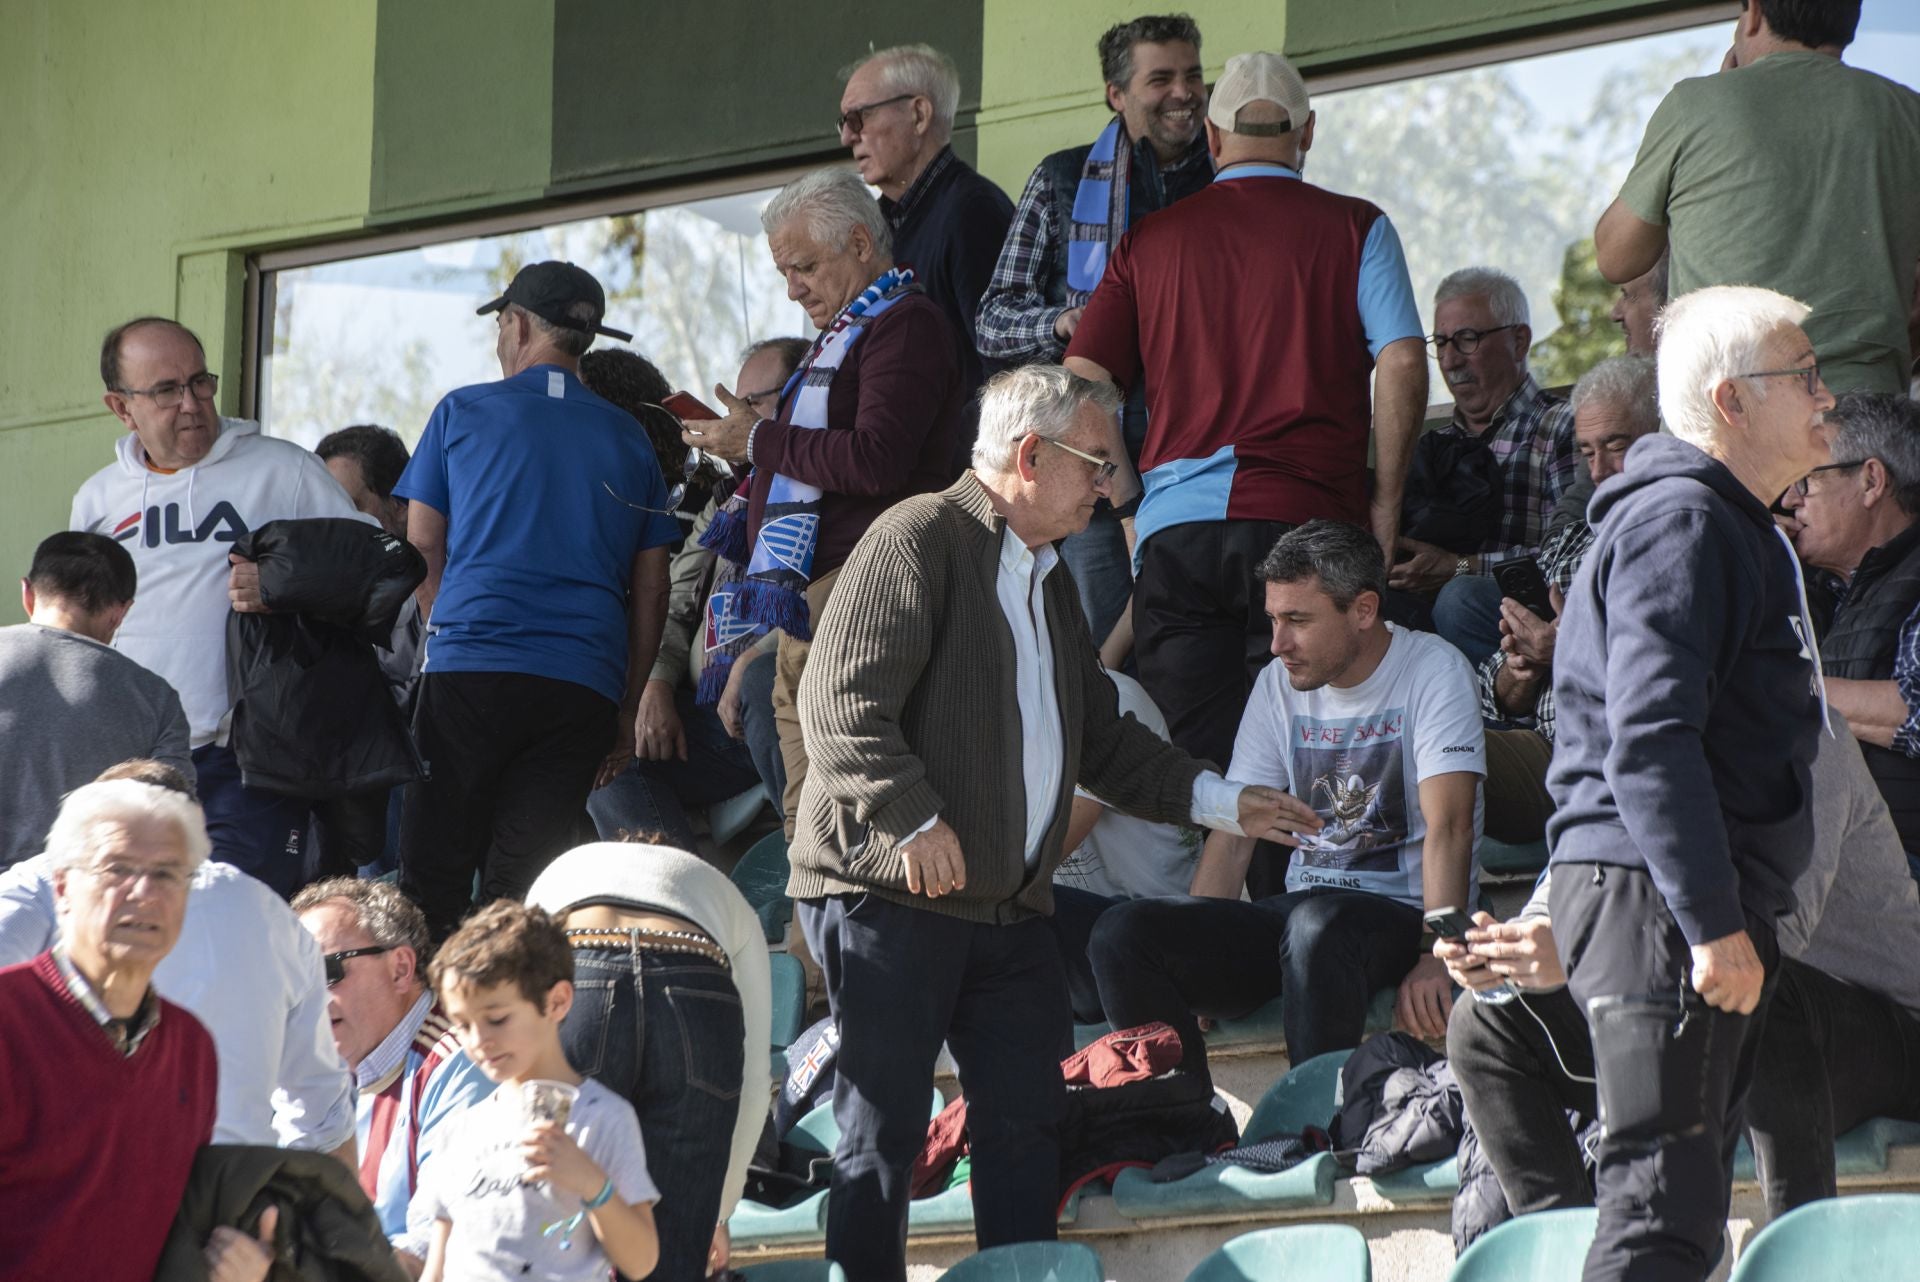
(1800, 174)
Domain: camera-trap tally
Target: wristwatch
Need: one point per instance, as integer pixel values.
(1463, 567)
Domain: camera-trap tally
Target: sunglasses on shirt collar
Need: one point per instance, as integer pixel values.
(336, 963)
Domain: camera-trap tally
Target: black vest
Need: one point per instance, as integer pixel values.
(1860, 645)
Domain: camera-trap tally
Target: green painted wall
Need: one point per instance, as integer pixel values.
(147, 145)
(153, 144)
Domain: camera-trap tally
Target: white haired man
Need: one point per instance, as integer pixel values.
(1482, 333)
(110, 1087)
(948, 221)
(872, 416)
(1688, 696)
(956, 701)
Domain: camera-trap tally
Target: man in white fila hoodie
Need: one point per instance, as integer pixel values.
(185, 485)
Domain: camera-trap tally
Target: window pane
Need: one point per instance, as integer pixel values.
(380, 339)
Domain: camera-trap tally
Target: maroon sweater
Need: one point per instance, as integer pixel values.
(95, 1146)
(893, 429)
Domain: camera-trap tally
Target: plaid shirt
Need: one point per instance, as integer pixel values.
(1532, 440)
(1560, 559)
(1016, 320)
(125, 1034)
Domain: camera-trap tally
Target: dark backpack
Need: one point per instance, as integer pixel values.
(1453, 497)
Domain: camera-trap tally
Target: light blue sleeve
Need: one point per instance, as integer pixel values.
(1387, 310)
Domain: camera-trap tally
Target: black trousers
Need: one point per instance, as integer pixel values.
(1672, 1074)
(1833, 1055)
(1200, 628)
(510, 761)
(900, 981)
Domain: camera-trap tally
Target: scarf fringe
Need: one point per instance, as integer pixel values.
(776, 605)
(726, 534)
(713, 679)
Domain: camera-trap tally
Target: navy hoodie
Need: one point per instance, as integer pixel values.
(1684, 695)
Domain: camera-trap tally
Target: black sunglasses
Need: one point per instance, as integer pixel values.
(336, 963)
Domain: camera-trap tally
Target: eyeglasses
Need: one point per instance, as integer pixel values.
(336, 963)
(854, 119)
(1464, 341)
(167, 395)
(754, 398)
(676, 494)
(1799, 487)
(163, 877)
(1809, 376)
(1103, 469)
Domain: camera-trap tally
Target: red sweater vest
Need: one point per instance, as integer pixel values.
(95, 1146)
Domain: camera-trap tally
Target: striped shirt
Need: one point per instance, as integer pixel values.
(125, 1034)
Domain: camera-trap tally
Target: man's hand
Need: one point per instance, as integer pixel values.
(1269, 814)
(723, 437)
(232, 1256)
(1466, 967)
(1526, 635)
(1728, 974)
(933, 862)
(1066, 322)
(1426, 999)
(1520, 952)
(729, 709)
(658, 734)
(1421, 567)
(243, 585)
(622, 754)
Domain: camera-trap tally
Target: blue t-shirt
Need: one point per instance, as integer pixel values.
(540, 481)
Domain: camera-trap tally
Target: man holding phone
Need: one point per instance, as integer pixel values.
(1614, 405)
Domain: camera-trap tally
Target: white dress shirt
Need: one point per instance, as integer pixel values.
(1020, 587)
(251, 974)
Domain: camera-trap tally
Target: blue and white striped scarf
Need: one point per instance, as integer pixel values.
(772, 592)
(1099, 212)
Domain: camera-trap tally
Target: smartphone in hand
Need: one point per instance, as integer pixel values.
(687, 407)
(1522, 580)
(1450, 924)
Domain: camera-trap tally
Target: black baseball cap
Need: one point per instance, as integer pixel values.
(560, 294)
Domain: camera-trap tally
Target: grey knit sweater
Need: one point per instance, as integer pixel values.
(909, 710)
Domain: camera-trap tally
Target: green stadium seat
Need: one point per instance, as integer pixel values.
(1547, 1246)
(1306, 1096)
(787, 982)
(795, 1271)
(761, 876)
(1296, 1253)
(817, 1131)
(1859, 1238)
(1428, 1182)
(755, 1225)
(1498, 859)
(1029, 1262)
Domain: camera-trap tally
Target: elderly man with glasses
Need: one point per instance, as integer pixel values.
(872, 416)
(110, 1087)
(413, 1078)
(1482, 335)
(954, 703)
(1858, 521)
(948, 221)
(1688, 696)
(185, 485)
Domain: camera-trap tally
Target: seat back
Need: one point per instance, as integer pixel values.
(1029, 1262)
(787, 987)
(1294, 1253)
(1547, 1246)
(1308, 1095)
(761, 877)
(1855, 1239)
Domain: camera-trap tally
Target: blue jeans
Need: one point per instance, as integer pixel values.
(664, 1032)
(1467, 613)
(901, 980)
(1328, 951)
(652, 796)
(1098, 558)
(763, 732)
(262, 834)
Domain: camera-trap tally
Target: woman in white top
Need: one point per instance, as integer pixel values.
(671, 1010)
